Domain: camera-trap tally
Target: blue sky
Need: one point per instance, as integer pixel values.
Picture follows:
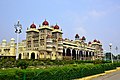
(94, 19)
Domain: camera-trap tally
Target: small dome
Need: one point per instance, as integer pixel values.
(76, 36)
(98, 41)
(83, 38)
(95, 40)
(12, 39)
(33, 26)
(56, 27)
(89, 42)
(3, 40)
(45, 23)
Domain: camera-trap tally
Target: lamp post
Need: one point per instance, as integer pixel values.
(18, 28)
(117, 52)
(110, 45)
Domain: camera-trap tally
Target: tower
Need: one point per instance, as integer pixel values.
(4, 44)
(32, 38)
(44, 31)
(12, 47)
(57, 42)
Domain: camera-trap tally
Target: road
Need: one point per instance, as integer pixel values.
(111, 76)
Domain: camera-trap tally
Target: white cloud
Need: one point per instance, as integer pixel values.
(75, 26)
(95, 13)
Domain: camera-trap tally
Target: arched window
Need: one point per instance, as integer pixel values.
(63, 52)
(74, 54)
(20, 55)
(68, 52)
(33, 56)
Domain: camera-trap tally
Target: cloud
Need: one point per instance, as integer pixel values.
(95, 13)
(75, 26)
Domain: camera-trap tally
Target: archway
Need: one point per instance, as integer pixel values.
(81, 55)
(33, 56)
(20, 55)
(86, 53)
(93, 54)
(68, 52)
(90, 54)
(63, 52)
(73, 54)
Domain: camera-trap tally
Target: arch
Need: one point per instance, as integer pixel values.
(81, 54)
(90, 54)
(33, 55)
(20, 55)
(86, 53)
(73, 54)
(63, 52)
(93, 54)
(68, 52)
(28, 54)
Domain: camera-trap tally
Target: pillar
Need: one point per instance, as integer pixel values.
(35, 56)
(29, 56)
(71, 53)
(88, 55)
(44, 55)
(76, 54)
(65, 52)
(84, 55)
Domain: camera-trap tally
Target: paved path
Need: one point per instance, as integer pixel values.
(111, 76)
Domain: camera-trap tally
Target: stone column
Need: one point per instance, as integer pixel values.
(44, 55)
(65, 52)
(71, 53)
(88, 55)
(76, 54)
(35, 56)
(29, 56)
(84, 55)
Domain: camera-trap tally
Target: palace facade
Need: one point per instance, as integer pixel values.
(46, 42)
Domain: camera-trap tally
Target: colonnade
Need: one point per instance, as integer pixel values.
(76, 54)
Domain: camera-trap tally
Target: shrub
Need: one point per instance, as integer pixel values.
(22, 64)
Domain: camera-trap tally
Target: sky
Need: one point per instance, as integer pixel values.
(94, 19)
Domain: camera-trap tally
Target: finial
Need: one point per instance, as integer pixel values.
(18, 21)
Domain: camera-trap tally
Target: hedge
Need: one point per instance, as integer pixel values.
(67, 72)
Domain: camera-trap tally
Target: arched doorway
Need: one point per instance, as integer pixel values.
(90, 54)
(68, 52)
(73, 54)
(20, 55)
(63, 52)
(81, 55)
(33, 56)
(86, 53)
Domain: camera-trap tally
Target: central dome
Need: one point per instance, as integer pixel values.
(83, 38)
(76, 36)
(33, 26)
(95, 40)
(45, 23)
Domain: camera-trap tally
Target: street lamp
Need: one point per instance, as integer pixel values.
(117, 52)
(18, 28)
(111, 52)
